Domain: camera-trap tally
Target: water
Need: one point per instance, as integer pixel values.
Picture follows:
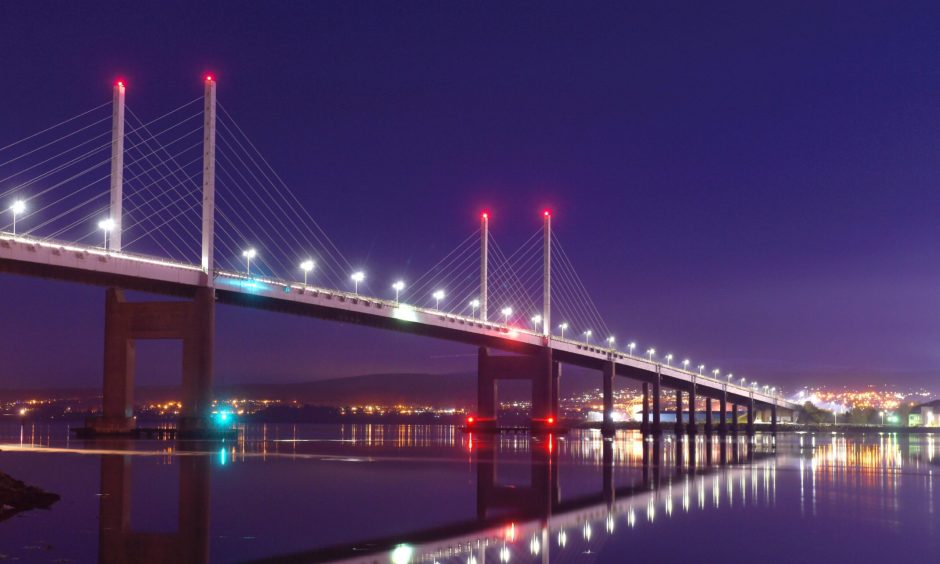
(391, 494)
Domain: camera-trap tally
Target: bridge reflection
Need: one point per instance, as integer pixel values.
(523, 513)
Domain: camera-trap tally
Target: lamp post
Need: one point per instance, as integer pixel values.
(536, 320)
(398, 287)
(610, 341)
(668, 359)
(563, 326)
(587, 336)
(306, 266)
(474, 304)
(106, 225)
(631, 346)
(685, 365)
(357, 277)
(651, 352)
(507, 311)
(18, 207)
(438, 296)
(249, 254)
(716, 373)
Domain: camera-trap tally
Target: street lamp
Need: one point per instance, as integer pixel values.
(587, 336)
(716, 373)
(306, 266)
(685, 364)
(474, 304)
(631, 346)
(507, 311)
(438, 296)
(17, 208)
(651, 352)
(536, 319)
(730, 376)
(398, 287)
(357, 277)
(668, 359)
(249, 254)
(106, 225)
(610, 341)
(563, 326)
(701, 367)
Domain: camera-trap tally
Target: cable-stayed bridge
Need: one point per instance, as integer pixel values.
(186, 205)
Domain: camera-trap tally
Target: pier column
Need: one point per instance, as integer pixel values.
(609, 369)
(657, 395)
(708, 415)
(773, 418)
(538, 368)
(750, 416)
(693, 425)
(678, 412)
(645, 426)
(192, 322)
(734, 418)
(723, 414)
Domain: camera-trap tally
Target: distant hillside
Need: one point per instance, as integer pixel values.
(443, 390)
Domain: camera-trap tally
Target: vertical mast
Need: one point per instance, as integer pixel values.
(117, 166)
(484, 261)
(208, 180)
(547, 276)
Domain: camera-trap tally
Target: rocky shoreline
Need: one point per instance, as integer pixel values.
(16, 496)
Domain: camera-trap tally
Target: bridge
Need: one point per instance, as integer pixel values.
(163, 228)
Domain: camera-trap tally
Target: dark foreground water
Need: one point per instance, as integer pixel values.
(396, 494)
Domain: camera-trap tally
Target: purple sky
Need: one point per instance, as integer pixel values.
(752, 186)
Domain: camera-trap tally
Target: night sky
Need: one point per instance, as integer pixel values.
(752, 185)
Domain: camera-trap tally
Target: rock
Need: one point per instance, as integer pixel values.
(16, 496)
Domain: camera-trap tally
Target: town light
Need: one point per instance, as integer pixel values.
(306, 266)
(357, 277)
(18, 207)
(438, 296)
(249, 254)
(563, 326)
(474, 304)
(106, 225)
(398, 287)
(507, 311)
(651, 352)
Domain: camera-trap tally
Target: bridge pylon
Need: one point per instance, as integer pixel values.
(115, 212)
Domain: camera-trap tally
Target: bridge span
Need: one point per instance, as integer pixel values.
(536, 353)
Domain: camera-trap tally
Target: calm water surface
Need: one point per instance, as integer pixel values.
(395, 494)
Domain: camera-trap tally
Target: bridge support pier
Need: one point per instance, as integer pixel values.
(734, 418)
(609, 370)
(645, 425)
(773, 418)
(125, 322)
(723, 414)
(693, 425)
(543, 372)
(708, 416)
(657, 397)
(750, 416)
(678, 412)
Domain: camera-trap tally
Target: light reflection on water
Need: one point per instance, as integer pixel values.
(426, 493)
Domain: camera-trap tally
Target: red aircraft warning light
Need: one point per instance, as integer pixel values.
(486, 215)
(547, 213)
(120, 83)
(209, 78)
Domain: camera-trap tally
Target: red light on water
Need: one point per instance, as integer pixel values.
(470, 420)
(551, 420)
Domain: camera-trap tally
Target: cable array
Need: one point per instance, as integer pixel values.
(571, 302)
